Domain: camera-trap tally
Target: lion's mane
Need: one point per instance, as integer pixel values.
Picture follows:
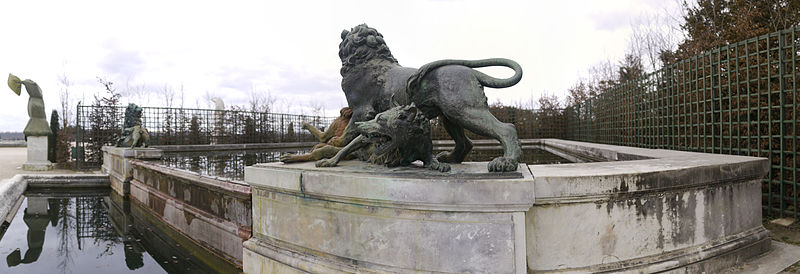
(361, 45)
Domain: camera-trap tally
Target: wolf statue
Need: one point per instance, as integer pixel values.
(133, 133)
(395, 137)
(449, 89)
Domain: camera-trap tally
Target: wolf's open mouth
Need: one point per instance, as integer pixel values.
(384, 142)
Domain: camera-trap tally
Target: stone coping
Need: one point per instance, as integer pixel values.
(136, 153)
(217, 147)
(467, 187)
(636, 170)
(215, 183)
(13, 143)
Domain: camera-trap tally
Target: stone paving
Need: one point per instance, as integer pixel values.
(12, 158)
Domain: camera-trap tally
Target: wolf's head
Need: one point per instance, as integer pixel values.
(395, 128)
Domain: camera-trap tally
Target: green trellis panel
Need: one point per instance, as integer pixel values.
(739, 99)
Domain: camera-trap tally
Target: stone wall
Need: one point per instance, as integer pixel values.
(659, 210)
(364, 218)
(213, 212)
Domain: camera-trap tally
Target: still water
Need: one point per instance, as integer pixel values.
(230, 164)
(227, 164)
(530, 155)
(93, 232)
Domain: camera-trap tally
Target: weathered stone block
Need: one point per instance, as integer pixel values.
(362, 217)
(658, 211)
(116, 163)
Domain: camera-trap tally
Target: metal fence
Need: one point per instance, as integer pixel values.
(740, 99)
(97, 126)
(530, 123)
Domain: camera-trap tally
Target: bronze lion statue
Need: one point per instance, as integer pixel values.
(449, 89)
(133, 133)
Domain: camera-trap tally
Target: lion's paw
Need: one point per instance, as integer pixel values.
(503, 164)
(446, 157)
(441, 167)
(326, 163)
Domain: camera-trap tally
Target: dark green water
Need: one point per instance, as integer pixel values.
(90, 232)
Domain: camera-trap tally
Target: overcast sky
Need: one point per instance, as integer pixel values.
(289, 48)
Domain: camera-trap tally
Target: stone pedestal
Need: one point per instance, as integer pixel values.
(116, 163)
(360, 217)
(37, 154)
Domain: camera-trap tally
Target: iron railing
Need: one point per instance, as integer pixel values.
(97, 126)
(739, 99)
(530, 123)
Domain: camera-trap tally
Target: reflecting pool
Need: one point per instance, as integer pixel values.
(93, 232)
(227, 164)
(532, 155)
(230, 164)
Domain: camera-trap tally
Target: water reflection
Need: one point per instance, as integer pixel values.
(95, 232)
(530, 155)
(227, 164)
(36, 219)
(230, 164)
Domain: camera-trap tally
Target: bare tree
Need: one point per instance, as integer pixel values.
(66, 104)
(579, 93)
(182, 95)
(603, 76)
(168, 94)
(317, 108)
(260, 102)
(139, 91)
(784, 13)
(549, 102)
(270, 101)
(653, 35)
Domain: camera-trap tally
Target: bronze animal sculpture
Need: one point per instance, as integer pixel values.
(395, 137)
(332, 135)
(133, 133)
(449, 89)
(330, 140)
(37, 124)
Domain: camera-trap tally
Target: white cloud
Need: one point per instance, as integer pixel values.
(290, 48)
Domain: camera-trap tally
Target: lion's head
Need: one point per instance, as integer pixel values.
(360, 45)
(132, 115)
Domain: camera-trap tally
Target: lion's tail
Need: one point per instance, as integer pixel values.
(485, 80)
